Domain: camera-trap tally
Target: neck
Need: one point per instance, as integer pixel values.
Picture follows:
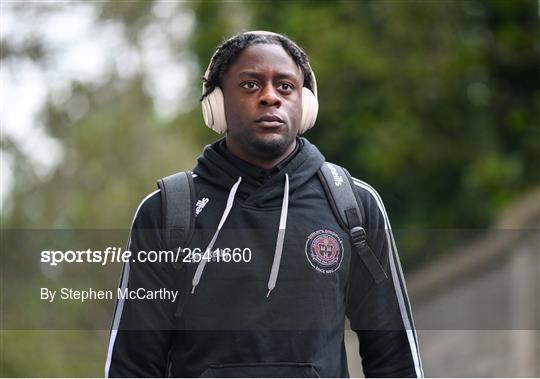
(266, 163)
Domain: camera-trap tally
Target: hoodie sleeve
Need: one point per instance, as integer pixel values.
(380, 314)
(141, 330)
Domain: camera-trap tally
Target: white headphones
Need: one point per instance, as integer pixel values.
(213, 106)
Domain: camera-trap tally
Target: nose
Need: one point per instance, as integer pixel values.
(269, 96)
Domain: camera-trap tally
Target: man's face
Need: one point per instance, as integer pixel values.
(263, 101)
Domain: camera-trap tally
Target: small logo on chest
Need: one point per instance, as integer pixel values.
(324, 251)
(200, 204)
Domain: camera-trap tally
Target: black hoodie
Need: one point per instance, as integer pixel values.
(278, 308)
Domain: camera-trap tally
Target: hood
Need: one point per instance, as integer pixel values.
(214, 168)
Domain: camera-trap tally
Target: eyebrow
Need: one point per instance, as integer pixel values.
(280, 75)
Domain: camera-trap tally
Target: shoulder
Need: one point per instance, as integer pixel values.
(367, 193)
(372, 203)
(148, 212)
(369, 200)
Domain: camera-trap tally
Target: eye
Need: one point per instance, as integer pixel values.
(286, 87)
(249, 85)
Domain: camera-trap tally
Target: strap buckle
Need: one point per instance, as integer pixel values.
(358, 235)
(359, 241)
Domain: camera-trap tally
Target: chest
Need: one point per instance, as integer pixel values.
(313, 268)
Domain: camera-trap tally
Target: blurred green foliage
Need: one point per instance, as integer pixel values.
(434, 103)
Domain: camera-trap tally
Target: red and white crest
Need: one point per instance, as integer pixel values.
(324, 251)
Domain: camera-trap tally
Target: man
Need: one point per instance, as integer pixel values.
(278, 309)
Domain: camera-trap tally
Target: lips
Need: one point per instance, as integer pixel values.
(269, 121)
(269, 118)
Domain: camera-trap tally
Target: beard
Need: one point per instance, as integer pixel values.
(267, 147)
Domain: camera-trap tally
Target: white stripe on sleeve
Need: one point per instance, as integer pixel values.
(120, 302)
(397, 273)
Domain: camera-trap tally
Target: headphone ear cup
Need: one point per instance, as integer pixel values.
(207, 112)
(213, 108)
(310, 108)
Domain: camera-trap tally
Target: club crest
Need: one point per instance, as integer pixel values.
(324, 251)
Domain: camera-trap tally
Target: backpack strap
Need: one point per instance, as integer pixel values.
(349, 211)
(178, 208)
(178, 219)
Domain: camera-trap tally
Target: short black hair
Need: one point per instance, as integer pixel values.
(229, 50)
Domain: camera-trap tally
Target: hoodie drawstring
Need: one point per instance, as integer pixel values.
(280, 238)
(202, 263)
(279, 242)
